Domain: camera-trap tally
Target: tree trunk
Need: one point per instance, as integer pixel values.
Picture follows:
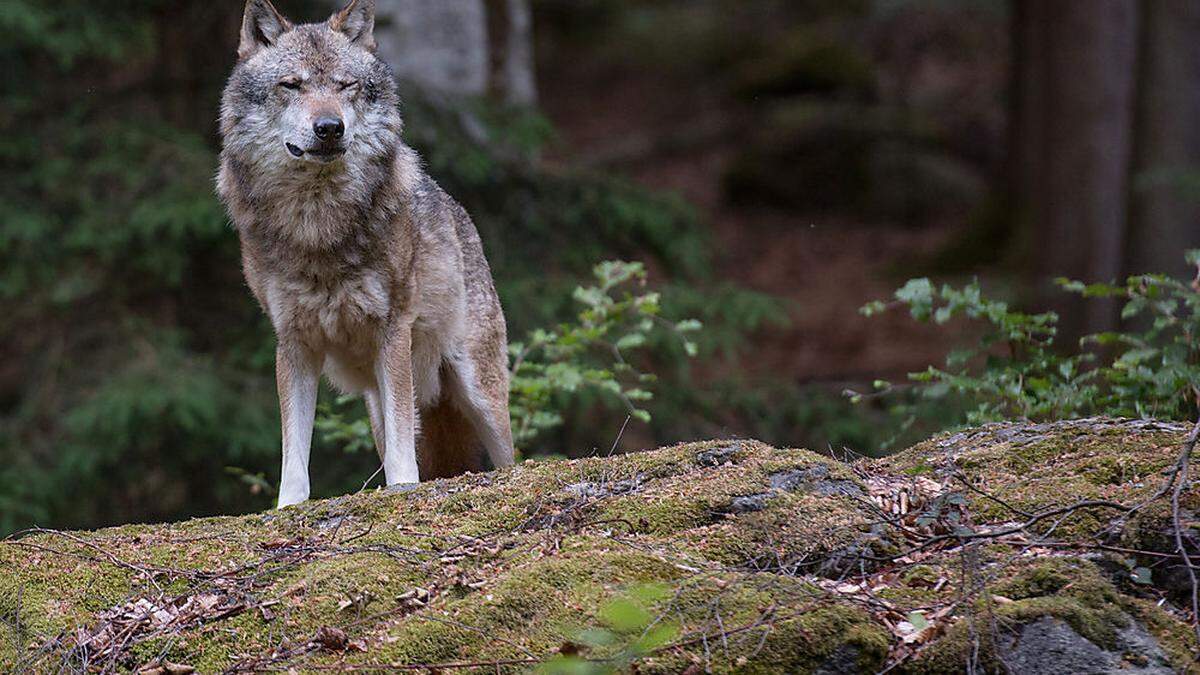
(441, 45)
(1074, 122)
(1026, 120)
(1165, 217)
(511, 23)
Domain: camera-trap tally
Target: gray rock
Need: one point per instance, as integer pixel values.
(598, 489)
(843, 661)
(748, 503)
(1049, 646)
(717, 456)
(814, 479)
(1140, 648)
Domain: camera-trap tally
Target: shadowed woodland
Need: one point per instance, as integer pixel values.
(775, 164)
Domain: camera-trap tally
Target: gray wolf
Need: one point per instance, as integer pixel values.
(368, 271)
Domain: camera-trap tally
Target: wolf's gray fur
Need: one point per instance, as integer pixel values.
(366, 268)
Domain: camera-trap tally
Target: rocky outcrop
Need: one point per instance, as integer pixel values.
(1018, 547)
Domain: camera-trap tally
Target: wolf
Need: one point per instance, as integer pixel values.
(368, 270)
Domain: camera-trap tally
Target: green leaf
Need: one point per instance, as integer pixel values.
(873, 308)
(597, 637)
(660, 635)
(631, 341)
(624, 615)
(918, 295)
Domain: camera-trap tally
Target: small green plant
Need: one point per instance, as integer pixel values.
(595, 352)
(1156, 370)
(1015, 369)
(617, 319)
(629, 633)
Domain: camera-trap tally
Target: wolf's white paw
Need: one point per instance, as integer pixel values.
(402, 487)
(287, 499)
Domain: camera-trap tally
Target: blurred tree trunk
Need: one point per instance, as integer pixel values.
(1075, 93)
(1165, 218)
(1027, 112)
(511, 27)
(465, 47)
(441, 45)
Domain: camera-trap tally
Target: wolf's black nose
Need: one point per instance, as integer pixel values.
(327, 128)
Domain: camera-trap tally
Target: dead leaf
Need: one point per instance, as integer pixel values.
(330, 638)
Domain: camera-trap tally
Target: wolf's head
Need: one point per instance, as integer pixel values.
(308, 97)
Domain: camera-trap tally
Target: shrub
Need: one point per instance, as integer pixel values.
(1017, 370)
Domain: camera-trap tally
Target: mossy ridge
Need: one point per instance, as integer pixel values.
(1039, 466)
(506, 581)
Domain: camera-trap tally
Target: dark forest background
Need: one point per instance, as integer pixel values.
(775, 163)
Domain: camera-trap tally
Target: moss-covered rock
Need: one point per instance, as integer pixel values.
(762, 560)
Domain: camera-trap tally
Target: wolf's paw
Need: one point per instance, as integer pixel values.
(402, 487)
(290, 498)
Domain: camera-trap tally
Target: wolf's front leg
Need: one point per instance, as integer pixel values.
(296, 375)
(394, 377)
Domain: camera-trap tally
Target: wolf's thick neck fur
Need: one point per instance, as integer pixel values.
(319, 207)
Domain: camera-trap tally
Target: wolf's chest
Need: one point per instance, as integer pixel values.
(331, 311)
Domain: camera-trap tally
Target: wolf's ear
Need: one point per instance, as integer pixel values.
(357, 22)
(262, 25)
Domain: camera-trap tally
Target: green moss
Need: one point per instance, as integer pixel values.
(1177, 639)
(920, 576)
(538, 606)
(805, 644)
(663, 516)
(1070, 589)
(505, 581)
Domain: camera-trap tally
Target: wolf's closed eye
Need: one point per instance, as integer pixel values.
(350, 84)
(290, 83)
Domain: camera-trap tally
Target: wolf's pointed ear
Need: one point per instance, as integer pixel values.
(262, 25)
(357, 22)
